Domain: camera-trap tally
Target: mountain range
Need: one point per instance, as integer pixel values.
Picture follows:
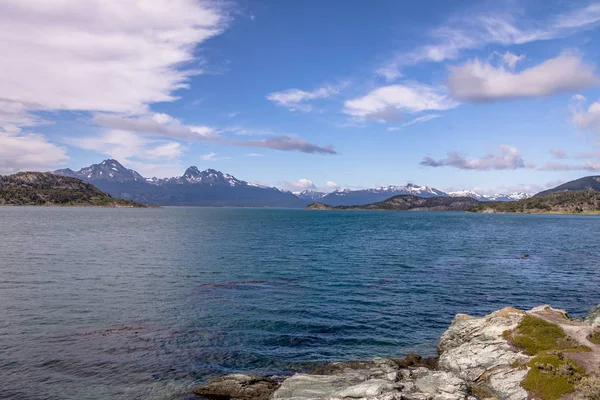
(214, 188)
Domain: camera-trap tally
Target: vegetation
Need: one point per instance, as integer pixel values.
(552, 376)
(44, 189)
(572, 202)
(595, 337)
(589, 387)
(534, 336)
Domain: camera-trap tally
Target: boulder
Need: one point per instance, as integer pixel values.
(238, 387)
(383, 379)
(593, 317)
(475, 350)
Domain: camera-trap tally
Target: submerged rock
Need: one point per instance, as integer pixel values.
(238, 387)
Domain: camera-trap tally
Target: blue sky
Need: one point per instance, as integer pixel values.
(493, 96)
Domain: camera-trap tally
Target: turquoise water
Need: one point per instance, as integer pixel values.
(143, 304)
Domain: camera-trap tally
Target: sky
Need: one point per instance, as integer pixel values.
(497, 96)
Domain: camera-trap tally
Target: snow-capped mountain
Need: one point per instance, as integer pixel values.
(494, 197)
(193, 188)
(193, 175)
(312, 195)
(107, 170)
(348, 197)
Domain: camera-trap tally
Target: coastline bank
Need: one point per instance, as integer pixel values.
(509, 354)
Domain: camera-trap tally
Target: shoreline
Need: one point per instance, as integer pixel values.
(509, 354)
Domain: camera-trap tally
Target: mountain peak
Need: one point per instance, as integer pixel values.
(191, 172)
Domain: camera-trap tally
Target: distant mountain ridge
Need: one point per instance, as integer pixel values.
(309, 194)
(494, 197)
(193, 188)
(215, 188)
(590, 183)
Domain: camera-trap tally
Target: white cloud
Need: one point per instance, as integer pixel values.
(254, 155)
(478, 81)
(296, 99)
(508, 157)
(101, 56)
(20, 152)
(331, 185)
(299, 185)
(587, 119)
(417, 120)
(389, 103)
(467, 31)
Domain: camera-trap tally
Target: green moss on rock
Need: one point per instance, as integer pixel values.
(552, 376)
(534, 336)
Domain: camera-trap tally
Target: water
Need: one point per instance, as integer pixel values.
(144, 304)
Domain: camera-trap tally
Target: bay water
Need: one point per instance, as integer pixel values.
(146, 303)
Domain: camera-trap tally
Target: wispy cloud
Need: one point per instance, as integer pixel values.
(418, 120)
(286, 143)
(299, 100)
(558, 153)
(479, 81)
(508, 157)
(254, 155)
(155, 124)
(587, 166)
(468, 30)
(213, 157)
(389, 103)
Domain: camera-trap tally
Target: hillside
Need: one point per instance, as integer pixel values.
(409, 203)
(45, 189)
(586, 183)
(570, 202)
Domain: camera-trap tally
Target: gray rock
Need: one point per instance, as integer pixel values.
(593, 317)
(472, 347)
(381, 380)
(238, 387)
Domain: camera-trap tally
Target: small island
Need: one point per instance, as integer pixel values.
(46, 189)
(408, 203)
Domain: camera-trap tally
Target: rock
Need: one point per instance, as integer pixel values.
(383, 379)
(238, 387)
(443, 385)
(475, 349)
(593, 317)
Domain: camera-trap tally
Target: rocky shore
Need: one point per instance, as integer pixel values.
(507, 355)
